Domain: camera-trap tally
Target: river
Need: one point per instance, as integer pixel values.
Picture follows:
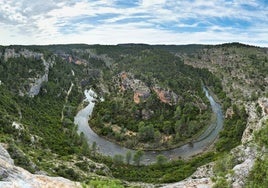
(108, 148)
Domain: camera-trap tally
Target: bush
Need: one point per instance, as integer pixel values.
(68, 173)
(105, 184)
(259, 175)
(20, 159)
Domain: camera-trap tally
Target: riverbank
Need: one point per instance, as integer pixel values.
(147, 147)
(111, 149)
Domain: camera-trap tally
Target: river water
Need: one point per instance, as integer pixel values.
(108, 148)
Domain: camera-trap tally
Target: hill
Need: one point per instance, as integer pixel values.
(148, 98)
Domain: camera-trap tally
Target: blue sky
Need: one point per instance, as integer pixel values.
(136, 21)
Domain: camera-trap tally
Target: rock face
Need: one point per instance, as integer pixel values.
(11, 53)
(168, 97)
(127, 81)
(35, 87)
(245, 155)
(254, 121)
(12, 176)
(90, 53)
(263, 102)
(34, 83)
(200, 179)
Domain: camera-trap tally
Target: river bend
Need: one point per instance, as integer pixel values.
(108, 148)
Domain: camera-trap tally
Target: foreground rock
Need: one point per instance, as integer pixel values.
(247, 153)
(200, 179)
(12, 176)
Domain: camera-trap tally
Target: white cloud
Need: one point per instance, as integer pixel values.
(80, 8)
(150, 3)
(150, 21)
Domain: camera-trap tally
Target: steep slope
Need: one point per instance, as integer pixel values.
(153, 99)
(13, 176)
(37, 109)
(243, 71)
(37, 123)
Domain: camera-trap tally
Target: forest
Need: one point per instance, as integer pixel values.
(153, 100)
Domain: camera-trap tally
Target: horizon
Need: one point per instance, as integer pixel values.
(113, 22)
(219, 44)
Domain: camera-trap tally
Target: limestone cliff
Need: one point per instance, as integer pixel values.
(33, 83)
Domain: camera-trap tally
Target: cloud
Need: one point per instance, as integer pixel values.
(141, 21)
(151, 3)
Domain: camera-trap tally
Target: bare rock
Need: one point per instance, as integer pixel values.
(229, 113)
(241, 172)
(11, 53)
(192, 183)
(199, 179)
(254, 123)
(247, 153)
(17, 126)
(263, 102)
(15, 177)
(126, 81)
(35, 87)
(245, 156)
(166, 96)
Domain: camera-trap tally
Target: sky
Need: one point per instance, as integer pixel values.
(41, 22)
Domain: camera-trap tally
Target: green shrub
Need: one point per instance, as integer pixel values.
(105, 184)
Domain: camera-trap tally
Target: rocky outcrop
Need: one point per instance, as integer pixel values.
(142, 93)
(12, 176)
(76, 61)
(71, 58)
(263, 102)
(35, 87)
(17, 126)
(34, 83)
(229, 113)
(90, 53)
(126, 81)
(11, 53)
(192, 183)
(166, 96)
(245, 157)
(199, 179)
(247, 153)
(255, 122)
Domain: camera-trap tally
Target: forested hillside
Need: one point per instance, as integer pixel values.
(149, 98)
